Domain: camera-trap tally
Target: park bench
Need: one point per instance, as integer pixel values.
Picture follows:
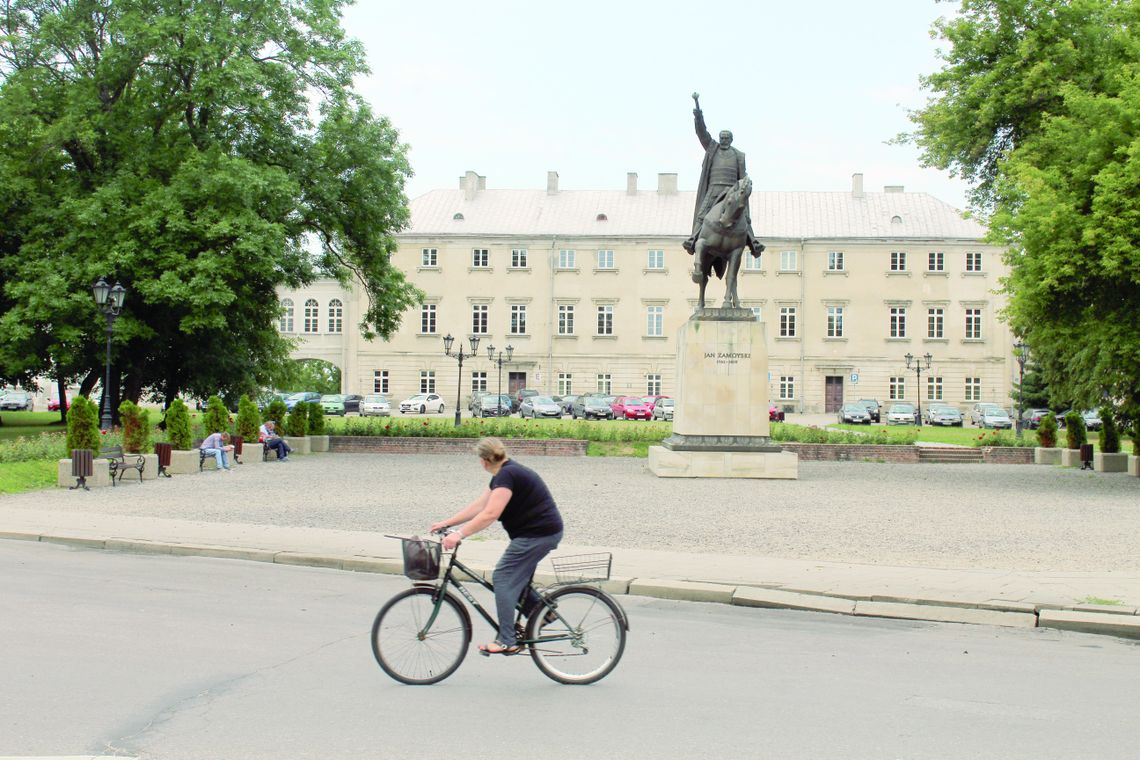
(119, 463)
(235, 441)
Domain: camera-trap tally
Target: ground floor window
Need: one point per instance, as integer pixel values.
(565, 384)
(478, 381)
(653, 385)
(787, 387)
(973, 389)
(897, 389)
(380, 381)
(427, 381)
(934, 388)
(604, 384)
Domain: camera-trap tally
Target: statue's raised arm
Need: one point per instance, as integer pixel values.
(699, 122)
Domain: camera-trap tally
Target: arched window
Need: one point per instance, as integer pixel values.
(336, 315)
(312, 315)
(285, 321)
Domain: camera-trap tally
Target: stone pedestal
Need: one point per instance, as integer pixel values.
(1071, 457)
(1134, 465)
(251, 453)
(299, 444)
(720, 417)
(150, 470)
(1042, 455)
(100, 477)
(1110, 462)
(318, 443)
(184, 462)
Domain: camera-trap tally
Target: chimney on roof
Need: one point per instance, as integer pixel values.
(631, 183)
(552, 183)
(857, 185)
(471, 183)
(667, 183)
(892, 188)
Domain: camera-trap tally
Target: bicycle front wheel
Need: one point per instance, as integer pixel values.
(409, 651)
(583, 641)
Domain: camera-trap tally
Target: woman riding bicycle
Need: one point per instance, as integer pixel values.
(517, 497)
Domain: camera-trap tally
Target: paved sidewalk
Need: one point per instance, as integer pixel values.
(148, 518)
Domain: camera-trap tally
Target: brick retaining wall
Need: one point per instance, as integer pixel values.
(1007, 455)
(554, 447)
(853, 452)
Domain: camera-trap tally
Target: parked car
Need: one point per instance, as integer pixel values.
(1091, 418)
(873, 408)
(422, 403)
(631, 408)
(491, 405)
(855, 414)
(375, 405)
(53, 404)
(17, 401)
(474, 399)
(1031, 418)
(652, 400)
(340, 403)
(978, 410)
(775, 413)
(540, 406)
(663, 409)
(567, 402)
(592, 408)
(265, 399)
(520, 394)
(996, 417)
(901, 414)
(296, 398)
(942, 414)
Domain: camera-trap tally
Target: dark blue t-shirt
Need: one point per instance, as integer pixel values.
(531, 512)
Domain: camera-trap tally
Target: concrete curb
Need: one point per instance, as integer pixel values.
(1122, 621)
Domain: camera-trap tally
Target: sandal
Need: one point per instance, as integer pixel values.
(497, 647)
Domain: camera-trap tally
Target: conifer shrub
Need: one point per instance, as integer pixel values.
(217, 417)
(276, 411)
(136, 427)
(316, 418)
(83, 426)
(248, 419)
(1047, 431)
(1109, 435)
(1075, 432)
(178, 425)
(296, 423)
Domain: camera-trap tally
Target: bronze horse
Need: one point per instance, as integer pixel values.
(721, 242)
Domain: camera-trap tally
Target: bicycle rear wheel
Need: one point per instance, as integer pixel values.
(412, 655)
(584, 642)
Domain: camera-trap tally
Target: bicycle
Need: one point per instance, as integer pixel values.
(575, 635)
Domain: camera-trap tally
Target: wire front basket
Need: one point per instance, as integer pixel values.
(582, 568)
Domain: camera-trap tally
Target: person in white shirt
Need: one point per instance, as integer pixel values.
(218, 444)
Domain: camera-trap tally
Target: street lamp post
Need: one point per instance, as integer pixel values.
(447, 341)
(500, 361)
(110, 302)
(918, 368)
(1022, 353)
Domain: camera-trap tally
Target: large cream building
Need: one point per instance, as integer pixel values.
(590, 287)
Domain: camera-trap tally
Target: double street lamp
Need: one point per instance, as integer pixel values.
(110, 302)
(918, 368)
(448, 340)
(500, 361)
(1021, 352)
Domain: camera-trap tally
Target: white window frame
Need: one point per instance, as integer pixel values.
(788, 326)
(565, 384)
(897, 322)
(285, 321)
(480, 258)
(936, 322)
(653, 384)
(898, 261)
(480, 318)
(518, 319)
(478, 381)
(312, 320)
(973, 324)
(567, 259)
(427, 381)
(428, 317)
(518, 258)
(655, 259)
(933, 388)
(787, 388)
(789, 261)
(896, 388)
(380, 381)
(605, 383)
(655, 321)
(336, 315)
(835, 321)
(605, 258)
(758, 312)
(936, 261)
(565, 319)
(973, 389)
(973, 261)
(835, 261)
(753, 263)
(429, 257)
(605, 319)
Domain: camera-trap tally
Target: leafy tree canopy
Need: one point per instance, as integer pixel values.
(201, 153)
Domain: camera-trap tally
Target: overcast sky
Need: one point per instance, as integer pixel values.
(812, 89)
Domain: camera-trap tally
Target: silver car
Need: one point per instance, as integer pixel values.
(980, 409)
(540, 406)
(422, 403)
(663, 409)
(18, 401)
(375, 405)
(901, 414)
(855, 414)
(996, 418)
(942, 414)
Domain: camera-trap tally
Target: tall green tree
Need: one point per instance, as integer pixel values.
(1038, 104)
(201, 153)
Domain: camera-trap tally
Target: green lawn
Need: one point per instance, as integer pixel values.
(17, 477)
(963, 436)
(15, 424)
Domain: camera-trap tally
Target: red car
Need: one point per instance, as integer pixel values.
(652, 401)
(53, 405)
(774, 414)
(631, 408)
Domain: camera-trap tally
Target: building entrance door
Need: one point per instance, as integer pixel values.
(832, 393)
(515, 381)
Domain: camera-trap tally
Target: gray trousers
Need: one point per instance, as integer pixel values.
(512, 576)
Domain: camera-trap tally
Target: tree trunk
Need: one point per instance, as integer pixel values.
(61, 387)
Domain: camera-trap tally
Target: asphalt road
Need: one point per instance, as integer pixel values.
(164, 657)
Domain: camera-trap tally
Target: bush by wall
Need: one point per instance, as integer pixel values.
(136, 427)
(296, 423)
(217, 417)
(1109, 435)
(1075, 432)
(276, 411)
(178, 425)
(83, 426)
(316, 418)
(1047, 431)
(248, 419)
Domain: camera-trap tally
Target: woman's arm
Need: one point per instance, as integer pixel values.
(466, 513)
(494, 505)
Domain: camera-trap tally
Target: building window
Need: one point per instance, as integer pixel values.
(653, 385)
(312, 316)
(606, 319)
(835, 261)
(565, 319)
(429, 257)
(479, 319)
(898, 261)
(787, 321)
(427, 381)
(757, 312)
(655, 321)
(480, 258)
(285, 321)
(788, 261)
(565, 384)
(973, 389)
(753, 263)
(380, 381)
(973, 324)
(604, 384)
(427, 319)
(787, 387)
(973, 261)
(934, 323)
(605, 259)
(478, 381)
(898, 322)
(566, 259)
(936, 262)
(518, 258)
(656, 259)
(934, 388)
(835, 321)
(336, 315)
(518, 319)
(897, 388)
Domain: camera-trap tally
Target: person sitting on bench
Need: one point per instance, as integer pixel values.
(218, 444)
(268, 435)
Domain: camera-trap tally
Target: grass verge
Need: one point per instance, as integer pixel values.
(18, 477)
